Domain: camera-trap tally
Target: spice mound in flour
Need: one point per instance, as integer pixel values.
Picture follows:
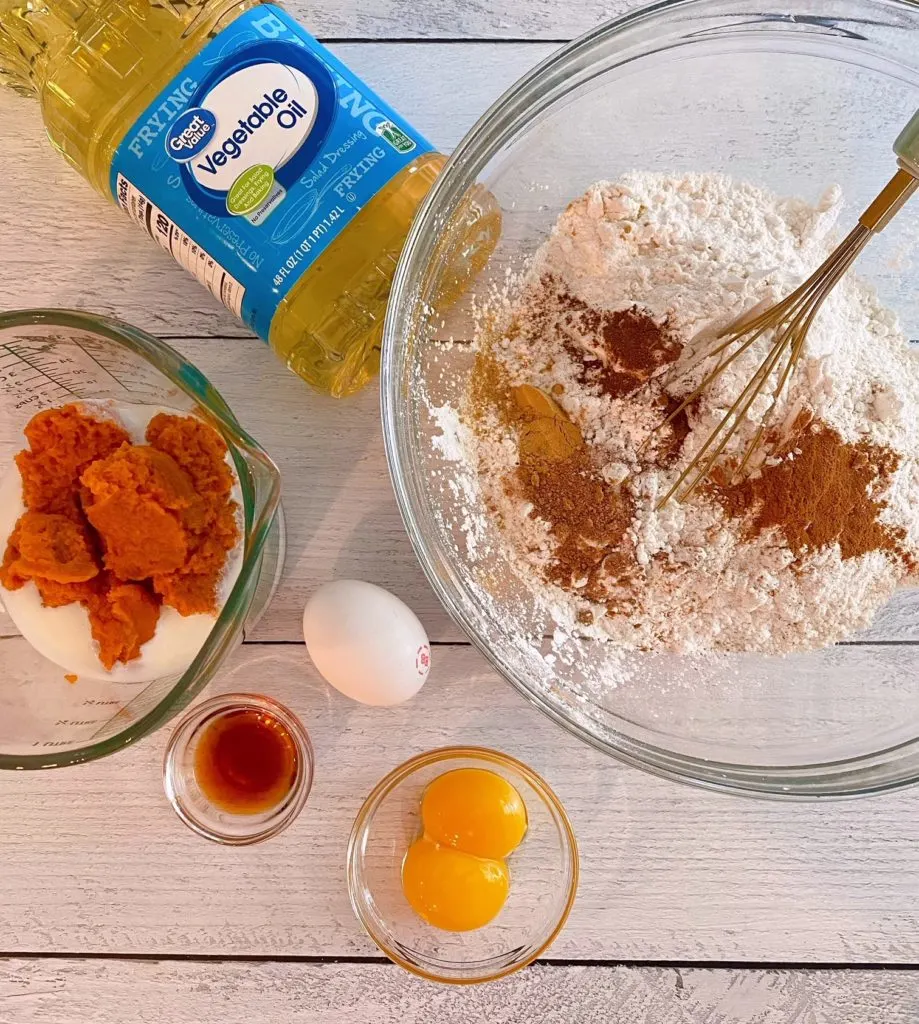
(818, 491)
(582, 360)
(617, 350)
(588, 518)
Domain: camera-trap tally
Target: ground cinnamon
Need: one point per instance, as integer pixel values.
(627, 346)
(618, 352)
(818, 490)
(587, 516)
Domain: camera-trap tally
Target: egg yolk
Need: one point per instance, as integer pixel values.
(453, 890)
(455, 876)
(476, 811)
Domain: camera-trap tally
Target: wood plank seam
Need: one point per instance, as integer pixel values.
(560, 963)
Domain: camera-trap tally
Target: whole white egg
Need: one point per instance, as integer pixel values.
(366, 643)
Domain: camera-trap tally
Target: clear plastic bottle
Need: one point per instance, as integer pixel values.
(288, 191)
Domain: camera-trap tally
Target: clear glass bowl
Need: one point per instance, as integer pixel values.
(192, 804)
(543, 869)
(51, 357)
(794, 99)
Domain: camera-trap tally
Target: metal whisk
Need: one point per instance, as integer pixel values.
(790, 320)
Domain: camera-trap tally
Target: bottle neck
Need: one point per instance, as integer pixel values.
(29, 31)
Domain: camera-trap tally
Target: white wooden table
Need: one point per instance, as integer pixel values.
(693, 907)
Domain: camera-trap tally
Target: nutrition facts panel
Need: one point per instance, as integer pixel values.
(184, 249)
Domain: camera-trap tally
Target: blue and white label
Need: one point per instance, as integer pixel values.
(255, 158)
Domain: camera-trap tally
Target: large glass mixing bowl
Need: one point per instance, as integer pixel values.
(794, 99)
(49, 358)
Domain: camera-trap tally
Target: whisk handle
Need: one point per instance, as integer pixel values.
(901, 186)
(907, 146)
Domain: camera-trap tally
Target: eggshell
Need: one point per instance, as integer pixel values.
(366, 643)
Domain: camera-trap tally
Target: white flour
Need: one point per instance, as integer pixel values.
(700, 250)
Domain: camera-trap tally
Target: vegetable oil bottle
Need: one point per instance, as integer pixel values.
(248, 151)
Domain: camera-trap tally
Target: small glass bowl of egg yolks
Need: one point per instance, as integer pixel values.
(462, 865)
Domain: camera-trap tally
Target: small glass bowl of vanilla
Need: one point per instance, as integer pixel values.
(421, 907)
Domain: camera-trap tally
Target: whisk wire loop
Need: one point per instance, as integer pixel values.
(790, 320)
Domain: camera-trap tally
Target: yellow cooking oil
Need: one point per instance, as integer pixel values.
(249, 152)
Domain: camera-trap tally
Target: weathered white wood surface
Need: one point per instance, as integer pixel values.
(94, 860)
(64, 992)
(467, 19)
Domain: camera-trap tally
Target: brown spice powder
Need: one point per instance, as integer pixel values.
(618, 352)
(629, 345)
(824, 491)
(489, 389)
(587, 517)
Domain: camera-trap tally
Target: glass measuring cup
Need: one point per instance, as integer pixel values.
(49, 358)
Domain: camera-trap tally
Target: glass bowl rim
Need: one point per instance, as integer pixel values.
(168, 361)
(398, 775)
(209, 709)
(891, 767)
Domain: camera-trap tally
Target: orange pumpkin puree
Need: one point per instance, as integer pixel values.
(119, 527)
